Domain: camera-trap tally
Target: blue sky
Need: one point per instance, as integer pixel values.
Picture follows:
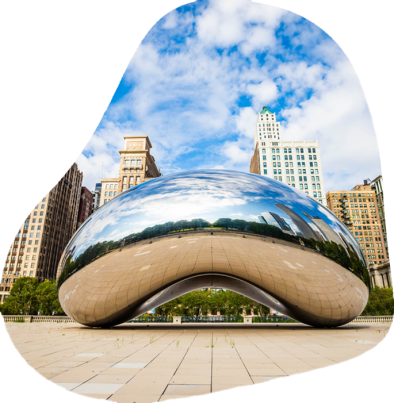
(204, 71)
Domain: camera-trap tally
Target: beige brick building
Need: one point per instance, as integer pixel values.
(137, 165)
(41, 239)
(358, 210)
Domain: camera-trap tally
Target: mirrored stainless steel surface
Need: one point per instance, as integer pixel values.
(243, 232)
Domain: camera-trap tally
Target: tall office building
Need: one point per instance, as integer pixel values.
(296, 163)
(39, 243)
(96, 196)
(377, 186)
(358, 210)
(85, 206)
(137, 165)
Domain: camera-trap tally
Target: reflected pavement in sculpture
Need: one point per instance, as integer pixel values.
(213, 228)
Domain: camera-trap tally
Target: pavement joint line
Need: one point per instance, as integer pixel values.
(180, 362)
(84, 362)
(211, 358)
(112, 365)
(239, 355)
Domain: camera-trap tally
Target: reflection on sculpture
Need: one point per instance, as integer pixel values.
(213, 228)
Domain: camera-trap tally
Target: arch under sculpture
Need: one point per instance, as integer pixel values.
(213, 228)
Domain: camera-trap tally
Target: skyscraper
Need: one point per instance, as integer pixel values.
(85, 206)
(358, 210)
(96, 196)
(296, 163)
(137, 165)
(40, 241)
(377, 186)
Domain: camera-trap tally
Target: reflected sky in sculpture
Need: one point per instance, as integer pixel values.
(205, 194)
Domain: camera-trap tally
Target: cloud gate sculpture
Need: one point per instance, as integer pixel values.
(213, 228)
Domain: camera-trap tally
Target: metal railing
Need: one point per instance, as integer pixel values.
(150, 319)
(188, 319)
(373, 319)
(273, 319)
(212, 319)
(37, 318)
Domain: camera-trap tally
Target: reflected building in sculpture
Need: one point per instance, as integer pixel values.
(205, 229)
(305, 229)
(327, 232)
(275, 219)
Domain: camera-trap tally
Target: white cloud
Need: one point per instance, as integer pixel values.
(170, 21)
(185, 95)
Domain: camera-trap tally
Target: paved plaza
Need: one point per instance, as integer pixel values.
(161, 362)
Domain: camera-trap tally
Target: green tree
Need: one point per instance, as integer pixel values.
(47, 298)
(23, 298)
(380, 302)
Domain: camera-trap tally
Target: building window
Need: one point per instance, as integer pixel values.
(138, 179)
(265, 172)
(125, 179)
(301, 186)
(115, 186)
(114, 193)
(110, 193)
(106, 194)
(124, 187)
(105, 201)
(107, 186)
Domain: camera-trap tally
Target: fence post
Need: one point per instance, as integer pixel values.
(177, 319)
(248, 319)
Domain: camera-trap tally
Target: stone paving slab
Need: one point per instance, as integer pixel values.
(158, 362)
